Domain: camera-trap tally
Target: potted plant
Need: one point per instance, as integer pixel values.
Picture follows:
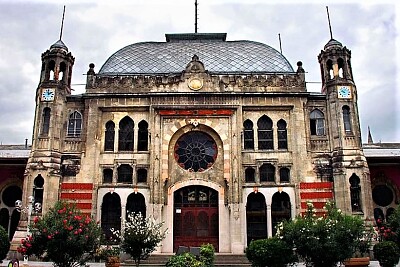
(110, 255)
(63, 235)
(272, 251)
(387, 253)
(361, 250)
(325, 240)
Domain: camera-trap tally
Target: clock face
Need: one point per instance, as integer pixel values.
(48, 94)
(344, 92)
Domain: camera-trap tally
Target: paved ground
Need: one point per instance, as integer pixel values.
(46, 264)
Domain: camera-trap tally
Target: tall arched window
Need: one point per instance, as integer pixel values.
(248, 134)
(74, 124)
(317, 123)
(51, 70)
(346, 119)
(38, 185)
(265, 134)
(125, 174)
(329, 68)
(282, 135)
(125, 136)
(249, 174)
(355, 193)
(284, 175)
(340, 62)
(62, 70)
(46, 121)
(143, 136)
(267, 173)
(109, 136)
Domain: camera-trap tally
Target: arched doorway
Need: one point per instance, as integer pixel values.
(280, 209)
(9, 216)
(136, 204)
(256, 217)
(110, 214)
(195, 217)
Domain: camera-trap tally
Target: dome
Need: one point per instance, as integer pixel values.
(217, 55)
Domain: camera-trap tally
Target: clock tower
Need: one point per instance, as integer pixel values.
(350, 170)
(43, 168)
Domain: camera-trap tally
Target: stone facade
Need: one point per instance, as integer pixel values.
(225, 154)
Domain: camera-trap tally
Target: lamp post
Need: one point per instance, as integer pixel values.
(32, 206)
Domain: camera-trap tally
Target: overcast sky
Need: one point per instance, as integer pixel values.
(94, 30)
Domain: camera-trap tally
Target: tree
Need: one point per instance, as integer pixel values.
(140, 236)
(63, 235)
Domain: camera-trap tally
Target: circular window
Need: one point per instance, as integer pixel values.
(195, 151)
(11, 194)
(382, 195)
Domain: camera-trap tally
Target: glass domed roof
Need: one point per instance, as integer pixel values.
(218, 56)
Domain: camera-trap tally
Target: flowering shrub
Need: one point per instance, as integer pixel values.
(63, 235)
(108, 253)
(4, 243)
(140, 236)
(323, 241)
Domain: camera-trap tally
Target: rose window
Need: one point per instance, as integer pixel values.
(195, 151)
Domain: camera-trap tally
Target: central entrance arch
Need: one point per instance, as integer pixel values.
(195, 216)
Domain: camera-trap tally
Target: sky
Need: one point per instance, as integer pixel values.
(94, 30)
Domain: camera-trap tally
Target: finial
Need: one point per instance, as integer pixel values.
(195, 16)
(329, 22)
(280, 43)
(370, 141)
(62, 23)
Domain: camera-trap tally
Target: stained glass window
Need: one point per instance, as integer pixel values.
(195, 151)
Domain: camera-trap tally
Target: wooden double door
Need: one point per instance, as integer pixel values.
(196, 217)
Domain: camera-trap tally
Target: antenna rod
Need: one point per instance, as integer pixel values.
(62, 23)
(280, 43)
(329, 21)
(195, 16)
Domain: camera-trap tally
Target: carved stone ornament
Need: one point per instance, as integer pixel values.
(195, 83)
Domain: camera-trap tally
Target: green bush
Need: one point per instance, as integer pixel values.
(387, 253)
(184, 260)
(207, 254)
(271, 252)
(4, 243)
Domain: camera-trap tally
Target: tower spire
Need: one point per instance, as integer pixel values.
(329, 22)
(370, 141)
(195, 16)
(62, 23)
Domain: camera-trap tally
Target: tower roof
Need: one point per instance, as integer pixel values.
(218, 56)
(333, 44)
(60, 45)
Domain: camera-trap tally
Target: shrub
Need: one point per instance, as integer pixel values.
(271, 252)
(387, 253)
(4, 243)
(141, 236)
(207, 254)
(184, 260)
(63, 235)
(324, 241)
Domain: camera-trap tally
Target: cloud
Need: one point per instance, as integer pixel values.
(94, 30)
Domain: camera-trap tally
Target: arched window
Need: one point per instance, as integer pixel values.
(125, 138)
(61, 74)
(143, 136)
(135, 204)
(107, 176)
(329, 67)
(317, 123)
(248, 134)
(282, 135)
(51, 70)
(46, 121)
(284, 175)
(340, 62)
(280, 209)
(110, 214)
(355, 193)
(265, 134)
(346, 119)
(38, 185)
(74, 124)
(256, 217)
(249, 174)
(109, 136)
(125, 174)
(267, 173)
(141, 176)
